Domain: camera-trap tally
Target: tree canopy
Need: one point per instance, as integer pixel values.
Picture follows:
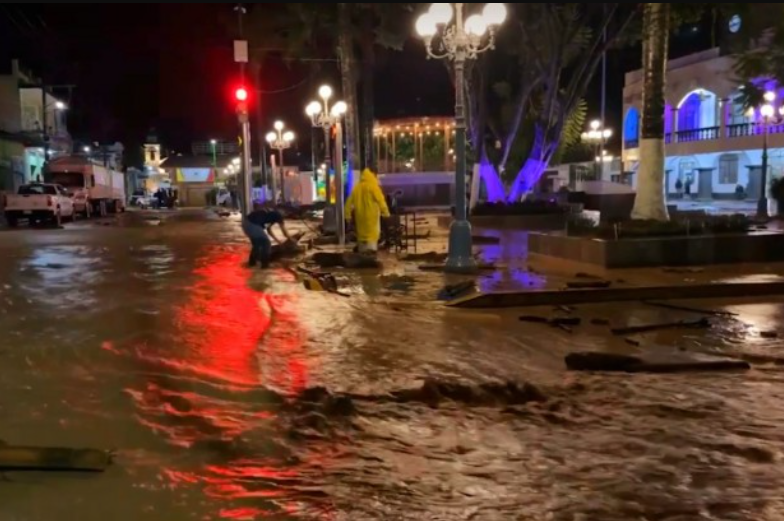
(527, 98)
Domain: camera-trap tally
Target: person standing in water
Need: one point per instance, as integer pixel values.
(257, 226)
(366, 206)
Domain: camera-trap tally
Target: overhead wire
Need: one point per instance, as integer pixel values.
(9, 15)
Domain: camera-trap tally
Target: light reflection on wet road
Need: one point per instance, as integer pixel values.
(157, 342)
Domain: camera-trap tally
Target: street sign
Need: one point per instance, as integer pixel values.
(241, 51)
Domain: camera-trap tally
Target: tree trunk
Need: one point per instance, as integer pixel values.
(348, 76)
(368, 116)
(533, 168)
(651, 203)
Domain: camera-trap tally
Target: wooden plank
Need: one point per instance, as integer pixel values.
(52, 459)
(515, 299)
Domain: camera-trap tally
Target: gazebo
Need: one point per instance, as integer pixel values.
(418, 144)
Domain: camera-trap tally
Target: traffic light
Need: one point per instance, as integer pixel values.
(241, 97)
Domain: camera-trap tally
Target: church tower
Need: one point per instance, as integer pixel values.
(152, 152)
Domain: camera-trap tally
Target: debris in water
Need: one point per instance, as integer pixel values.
(658, 364)
(53, 459)
(430, 257)
(433, 393)
(702, 323)
(593, 284)
(562, 323)
(345, 260)
(769, 334)
(688, 309)
(456, 290)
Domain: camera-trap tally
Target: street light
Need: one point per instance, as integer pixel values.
(325, 117)
(214, 147)
(767, 111)
(598, 136)
(460, 41)
(280, 141)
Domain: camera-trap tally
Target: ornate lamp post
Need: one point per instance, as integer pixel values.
(767, 111)
(280, 141)
(598, 137)
(448, 35)
(322, 116)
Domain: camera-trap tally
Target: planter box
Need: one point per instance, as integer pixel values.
(513, 222)
(665, 251)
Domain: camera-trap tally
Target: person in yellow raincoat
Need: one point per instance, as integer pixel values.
(365, 207)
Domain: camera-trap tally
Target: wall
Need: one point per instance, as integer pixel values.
(10, 105)
(11, 164)
(707, 70)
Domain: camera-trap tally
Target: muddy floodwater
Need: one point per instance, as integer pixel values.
(234, 394)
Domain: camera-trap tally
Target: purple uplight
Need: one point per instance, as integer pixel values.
(493, 184)
(668, 110)
(689, 113)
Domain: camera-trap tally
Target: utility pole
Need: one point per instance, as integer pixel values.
(241, 95)
(604, 95)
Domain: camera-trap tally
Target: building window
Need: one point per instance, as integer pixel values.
(152, 156)
(728, 169)
(738, 113)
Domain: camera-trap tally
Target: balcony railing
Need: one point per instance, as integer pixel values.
(714, 133)
(699, 134)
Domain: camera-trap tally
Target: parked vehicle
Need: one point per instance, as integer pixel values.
(141, 200)
(96, 190)
(39, 202)
(223, 198)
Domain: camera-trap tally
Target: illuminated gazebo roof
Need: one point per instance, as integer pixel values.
(414, 125)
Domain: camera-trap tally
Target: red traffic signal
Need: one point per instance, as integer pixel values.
(241, 94)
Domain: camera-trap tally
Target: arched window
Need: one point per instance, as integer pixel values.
(631, 128)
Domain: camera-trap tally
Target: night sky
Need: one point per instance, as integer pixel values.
(170, 66)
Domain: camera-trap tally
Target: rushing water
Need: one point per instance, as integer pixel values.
(235, 394)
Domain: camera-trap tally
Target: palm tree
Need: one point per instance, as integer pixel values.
(651, 203)
(349, 78)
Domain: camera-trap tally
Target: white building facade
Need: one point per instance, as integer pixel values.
(713, 144)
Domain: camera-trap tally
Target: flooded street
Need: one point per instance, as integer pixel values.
(235, 394)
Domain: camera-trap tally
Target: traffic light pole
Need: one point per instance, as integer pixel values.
(247, 172)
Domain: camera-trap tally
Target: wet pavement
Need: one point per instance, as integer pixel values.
(231, 393)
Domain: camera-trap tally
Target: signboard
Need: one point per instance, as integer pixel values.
(241, 51)
(195, 175)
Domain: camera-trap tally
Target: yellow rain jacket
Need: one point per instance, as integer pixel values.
(366, 206)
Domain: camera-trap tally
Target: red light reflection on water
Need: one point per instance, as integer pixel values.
(223, 321)
(238, 340)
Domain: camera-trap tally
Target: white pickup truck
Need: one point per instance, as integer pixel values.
(39, 203)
